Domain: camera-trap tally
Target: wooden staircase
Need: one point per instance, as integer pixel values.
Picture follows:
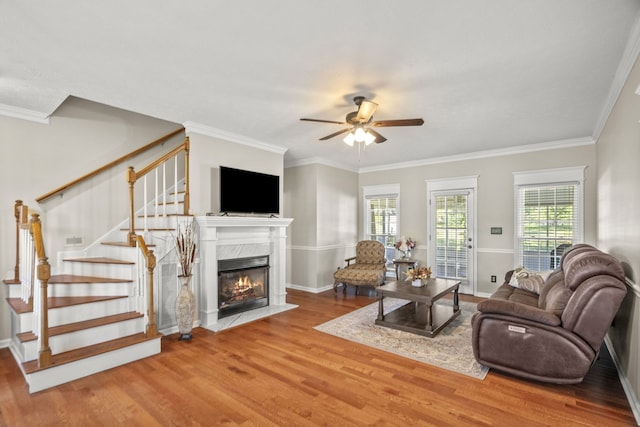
(93, 324)
(98, 303)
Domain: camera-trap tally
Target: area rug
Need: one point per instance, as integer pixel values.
(450, 349)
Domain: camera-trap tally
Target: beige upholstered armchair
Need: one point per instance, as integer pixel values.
(367, 268)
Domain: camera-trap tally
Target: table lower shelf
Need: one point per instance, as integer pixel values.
(413, 317)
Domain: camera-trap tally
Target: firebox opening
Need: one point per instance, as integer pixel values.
(243, 284)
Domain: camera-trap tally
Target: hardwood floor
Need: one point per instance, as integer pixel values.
(280, 371)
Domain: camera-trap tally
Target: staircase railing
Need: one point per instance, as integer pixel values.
(159, 167)
(150, 260)
(40, 300)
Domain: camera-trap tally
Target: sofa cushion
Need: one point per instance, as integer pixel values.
(556, 297)
(518, 295)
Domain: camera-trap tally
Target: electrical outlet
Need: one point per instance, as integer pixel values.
(494, 279)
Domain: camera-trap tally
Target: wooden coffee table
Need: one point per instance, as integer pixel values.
(420, 315)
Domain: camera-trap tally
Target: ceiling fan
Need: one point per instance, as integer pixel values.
(361, 121)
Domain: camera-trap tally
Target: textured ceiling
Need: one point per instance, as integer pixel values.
(484, 75)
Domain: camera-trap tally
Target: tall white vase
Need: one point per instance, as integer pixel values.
(185, 308)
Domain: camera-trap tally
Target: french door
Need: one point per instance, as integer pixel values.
(451, 236)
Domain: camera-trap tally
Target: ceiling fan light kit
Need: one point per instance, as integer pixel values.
(360, 120)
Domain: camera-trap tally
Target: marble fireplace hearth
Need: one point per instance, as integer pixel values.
(231, 237)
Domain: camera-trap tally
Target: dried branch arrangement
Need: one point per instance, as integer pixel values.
(186, 247)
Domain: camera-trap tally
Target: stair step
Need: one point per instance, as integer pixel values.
(71, 279)
(20, 306)
(99, 260)
(150, 229)
(161, 215)
(123, 244)
(11, 281)
(85, 352)
(78, 326)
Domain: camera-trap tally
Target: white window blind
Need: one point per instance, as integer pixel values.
(381, 216)
(549, 220)
(382, 219)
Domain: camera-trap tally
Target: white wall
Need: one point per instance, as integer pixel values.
(209, 153)
(494, 201)
(323, 201)
(37, 158)
(618, 151)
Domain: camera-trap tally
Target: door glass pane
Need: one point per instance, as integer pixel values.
(451, 236)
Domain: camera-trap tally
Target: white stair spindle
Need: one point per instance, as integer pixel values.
(145, 204)
(164, 189)
(156, 195)
(175, 183)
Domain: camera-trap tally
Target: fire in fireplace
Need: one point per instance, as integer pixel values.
(243, 284)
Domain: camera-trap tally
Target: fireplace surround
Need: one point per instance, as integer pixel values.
(228, 238)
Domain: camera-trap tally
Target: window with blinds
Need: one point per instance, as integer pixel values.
(549, 220)
(382, 219)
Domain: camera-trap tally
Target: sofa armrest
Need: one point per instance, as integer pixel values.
(522, 311)
(348, 260)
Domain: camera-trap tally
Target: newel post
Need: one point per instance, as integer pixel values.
(187, 145)
(131, 179)
(17, 210)
(152, 331)
(43, 272)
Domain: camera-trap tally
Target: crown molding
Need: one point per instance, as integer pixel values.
(552, 145)
(192, 127)
(317, 161)
(629, 56)
(24, 114)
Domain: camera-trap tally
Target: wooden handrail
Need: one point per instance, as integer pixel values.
(43, 274)
(108, 166)
(133, 176)
(151, 330)
(145, 170)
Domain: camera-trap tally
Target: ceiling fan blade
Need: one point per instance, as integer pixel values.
(365, 111)
(335, 134)
(401, 122)
(324, 121)
(379, 138)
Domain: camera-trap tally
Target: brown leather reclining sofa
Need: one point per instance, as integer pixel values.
(553, 336)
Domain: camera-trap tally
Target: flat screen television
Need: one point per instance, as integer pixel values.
(248, 192)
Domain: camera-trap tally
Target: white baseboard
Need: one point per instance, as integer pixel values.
(5, 343)
(624, 380)
(309, 289)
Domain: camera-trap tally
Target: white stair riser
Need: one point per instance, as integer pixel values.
(80, 312)
(14, 291)
(21, 322)
(89, 289)
(86, 337)
(112, 271)
(61, 374)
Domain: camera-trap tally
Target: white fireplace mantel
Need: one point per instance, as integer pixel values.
(228, 237)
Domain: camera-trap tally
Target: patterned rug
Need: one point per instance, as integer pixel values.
(450, 349)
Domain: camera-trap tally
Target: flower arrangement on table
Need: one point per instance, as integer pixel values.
(405, 245)
(419, 273)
